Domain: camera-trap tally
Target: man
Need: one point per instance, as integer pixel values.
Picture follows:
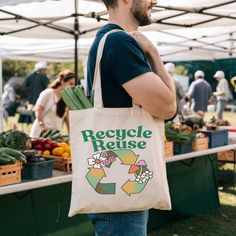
(131, 69)
(36, 82)
(222, 93)
(199, 92)
(170, 68)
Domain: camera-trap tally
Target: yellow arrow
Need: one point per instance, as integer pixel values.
(126, 156)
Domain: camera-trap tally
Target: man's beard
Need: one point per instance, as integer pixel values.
(140, 14)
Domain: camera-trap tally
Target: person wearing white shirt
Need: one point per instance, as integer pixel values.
(222, 93)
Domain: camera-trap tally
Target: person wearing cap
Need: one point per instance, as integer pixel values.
(36, 82)
(50, 109)
(199, 92)
(170, 68)
(222, 93)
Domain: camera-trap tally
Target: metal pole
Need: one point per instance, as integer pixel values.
(76, 37)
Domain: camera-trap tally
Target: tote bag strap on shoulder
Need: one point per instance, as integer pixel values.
(98, 103)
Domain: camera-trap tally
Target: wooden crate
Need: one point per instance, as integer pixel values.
(10, 174)
(226, 155)
(63, 164)
(169, 149)
(200, 144)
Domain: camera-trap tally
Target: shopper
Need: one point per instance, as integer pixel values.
(170, 68)
(223, 93)
(50, 110)
(35, 83)
(199, 92)
(131, 70)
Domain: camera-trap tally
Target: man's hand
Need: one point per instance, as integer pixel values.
(144, 43)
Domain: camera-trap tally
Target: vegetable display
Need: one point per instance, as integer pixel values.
(10, 156)
(75, 98)
(15, 139)
(54, 135)
(180, 133)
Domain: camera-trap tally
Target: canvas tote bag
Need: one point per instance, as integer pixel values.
(117, 157)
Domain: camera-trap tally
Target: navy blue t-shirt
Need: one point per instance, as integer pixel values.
(122, 61)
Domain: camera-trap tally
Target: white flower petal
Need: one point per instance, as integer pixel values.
(96, 156)
(91, 161)
(97, 166)
(103, 158)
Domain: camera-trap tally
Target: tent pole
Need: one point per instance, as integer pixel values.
(1, 105)
(76, 37)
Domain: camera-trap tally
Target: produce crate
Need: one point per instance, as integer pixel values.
(10, 174)
(169, 149)
(181, 148)
(226, 156)
(217, 138)
(200, 144)
(64, 164)
(38, 170)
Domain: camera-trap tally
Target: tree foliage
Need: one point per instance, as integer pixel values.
(22, 68)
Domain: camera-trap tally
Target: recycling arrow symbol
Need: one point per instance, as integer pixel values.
(103, 160)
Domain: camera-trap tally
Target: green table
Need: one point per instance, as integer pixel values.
(193, 189)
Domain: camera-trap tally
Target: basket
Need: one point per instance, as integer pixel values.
(63, 164)
(169, 149)
(226, 156)
(10, 174)
(200, 144)
(38, 170)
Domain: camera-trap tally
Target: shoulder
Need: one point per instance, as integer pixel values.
(120, 39)
(47, 92)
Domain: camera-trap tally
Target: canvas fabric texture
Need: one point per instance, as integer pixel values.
(117, 157)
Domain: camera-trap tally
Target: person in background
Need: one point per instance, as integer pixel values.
(35, 83)
(9, 101)
(199, 93)
(50, 110)
(170, 68)
(131, 70)
(223, 93)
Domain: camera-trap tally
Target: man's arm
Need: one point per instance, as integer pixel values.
(154, 91)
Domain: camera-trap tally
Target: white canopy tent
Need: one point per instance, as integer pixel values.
(52, 29)
(201, 27)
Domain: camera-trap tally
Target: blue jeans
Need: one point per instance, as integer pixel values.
(221, 104)
(120, 224)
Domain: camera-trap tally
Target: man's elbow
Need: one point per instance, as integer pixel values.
(167, 112)
(170, 111)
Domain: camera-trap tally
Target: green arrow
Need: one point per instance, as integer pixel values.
(94, 176)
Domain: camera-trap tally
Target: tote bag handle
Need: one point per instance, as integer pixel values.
(97, 88)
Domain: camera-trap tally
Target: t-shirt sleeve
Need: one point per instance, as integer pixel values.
(127, 60)
(191, 90)
(44, 98)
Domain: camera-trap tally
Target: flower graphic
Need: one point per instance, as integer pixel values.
(97, 161)
(145, 176)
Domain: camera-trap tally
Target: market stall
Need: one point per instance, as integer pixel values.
(45, 203)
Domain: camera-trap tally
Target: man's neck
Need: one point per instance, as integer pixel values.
(123, 19)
